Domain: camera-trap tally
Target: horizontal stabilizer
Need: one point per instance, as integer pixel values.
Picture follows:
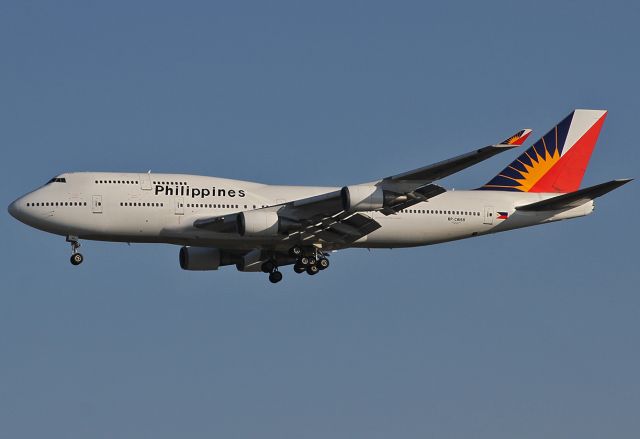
(574, 199)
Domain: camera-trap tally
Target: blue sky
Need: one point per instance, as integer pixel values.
(527, 334)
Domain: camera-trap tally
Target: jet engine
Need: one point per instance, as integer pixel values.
(261, 223)
(199, 258)
(362, 198)
(258, 223)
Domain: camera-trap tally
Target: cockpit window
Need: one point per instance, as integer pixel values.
(57, 180)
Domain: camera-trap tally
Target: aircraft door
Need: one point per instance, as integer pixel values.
(488, 215)
(178, 206)
(145, 181)
(96, 203)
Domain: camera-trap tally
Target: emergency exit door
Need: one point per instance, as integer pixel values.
(96, 203)
(488, 215)
(178, 206)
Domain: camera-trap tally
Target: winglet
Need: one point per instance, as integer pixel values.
(518, 138)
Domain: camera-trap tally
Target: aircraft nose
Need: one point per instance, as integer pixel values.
(15, 209)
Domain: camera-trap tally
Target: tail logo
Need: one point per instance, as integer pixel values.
(528, 170)
(556, 162)
(518, 138)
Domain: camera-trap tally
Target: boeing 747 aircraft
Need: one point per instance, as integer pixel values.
(261, 228)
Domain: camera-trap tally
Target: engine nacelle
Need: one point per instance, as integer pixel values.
(199, 258)
(258, 223)
(362, 198)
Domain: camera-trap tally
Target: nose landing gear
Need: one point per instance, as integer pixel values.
(76, 258)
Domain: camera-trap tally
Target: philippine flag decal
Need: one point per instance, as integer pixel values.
(503, 215)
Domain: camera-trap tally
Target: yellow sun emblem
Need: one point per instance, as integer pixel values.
(512, 139)
(540, 165)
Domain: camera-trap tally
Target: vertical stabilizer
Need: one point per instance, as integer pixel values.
(557, 162)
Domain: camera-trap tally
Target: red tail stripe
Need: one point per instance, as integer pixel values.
(566, 175)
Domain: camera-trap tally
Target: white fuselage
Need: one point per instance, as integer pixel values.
(161, 208)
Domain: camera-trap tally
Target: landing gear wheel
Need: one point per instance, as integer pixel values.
(76, 259)
(275, 277)
(268, 267)
(312, 260)
(304, 260)
(295, 251)
(323, 263)
(299, 268)
(312, 269)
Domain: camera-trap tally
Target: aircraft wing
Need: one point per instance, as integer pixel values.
(445, 168)
(311, 219)
(344, 216)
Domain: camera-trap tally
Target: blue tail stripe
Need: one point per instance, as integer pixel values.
(544, 147)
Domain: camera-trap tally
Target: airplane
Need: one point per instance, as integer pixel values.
(261, 228)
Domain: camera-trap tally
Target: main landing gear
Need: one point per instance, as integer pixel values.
(76, 258)
(274, 274)
(311, 261)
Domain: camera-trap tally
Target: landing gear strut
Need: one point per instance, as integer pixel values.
(76, 258)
